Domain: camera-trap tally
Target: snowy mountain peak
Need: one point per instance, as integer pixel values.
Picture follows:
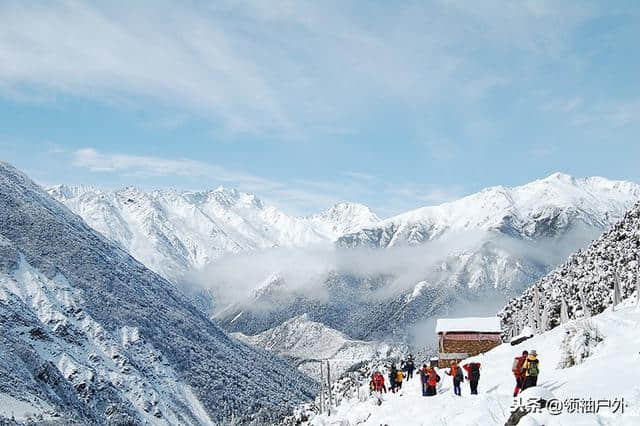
(70, 191)
(346, 217)
(543, 207)
(174, 231)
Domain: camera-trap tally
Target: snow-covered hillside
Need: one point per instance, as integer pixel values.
(306, 342)
(609, 372)
(543, 208)
(89, 335)
(173, 232)
(585, 281)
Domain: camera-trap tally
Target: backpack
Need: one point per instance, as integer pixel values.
(474, 371)
(517, 365)
(533, 368)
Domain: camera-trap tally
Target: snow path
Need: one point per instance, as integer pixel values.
(612, 371)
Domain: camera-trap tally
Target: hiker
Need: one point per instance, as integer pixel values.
(378, 382)
(392, 378)
(473, 375)
(399, 379)
(531, 368)
(424, 379)
(456, 373)
(517, 368)
(432, 381)
(410, 366)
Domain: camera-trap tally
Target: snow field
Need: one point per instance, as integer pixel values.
(611, 372)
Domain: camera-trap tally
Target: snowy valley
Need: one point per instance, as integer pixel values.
(92, 336)
(306, 343)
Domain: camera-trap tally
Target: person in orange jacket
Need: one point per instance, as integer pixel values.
(430, 379)
(456, 373)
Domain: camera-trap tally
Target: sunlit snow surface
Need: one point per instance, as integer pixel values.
(612, 371)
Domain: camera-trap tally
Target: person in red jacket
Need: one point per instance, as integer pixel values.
(473, 375)
(378, 382)
(432, 379)
(518, 372)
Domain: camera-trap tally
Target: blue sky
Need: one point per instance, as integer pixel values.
(308, 103)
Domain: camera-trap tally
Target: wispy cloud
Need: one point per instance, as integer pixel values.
(297, 196)
(278, 68)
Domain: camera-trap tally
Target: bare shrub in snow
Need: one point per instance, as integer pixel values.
(579, 343)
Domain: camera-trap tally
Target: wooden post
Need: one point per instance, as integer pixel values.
(329, 386)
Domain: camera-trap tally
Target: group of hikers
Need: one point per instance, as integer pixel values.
(525, 369)
(396, 376)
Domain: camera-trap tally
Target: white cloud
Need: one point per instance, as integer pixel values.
(280, 68)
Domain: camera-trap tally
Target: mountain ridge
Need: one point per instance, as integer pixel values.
(89, 334)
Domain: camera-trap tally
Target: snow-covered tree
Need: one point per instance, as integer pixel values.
(536, 310)
(564, 312)
(583, 300)
(617, 296)
(638, 284)
(579, 342)
(544, 321)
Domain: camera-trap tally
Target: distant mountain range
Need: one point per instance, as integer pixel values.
(541, 209)
(471, 254)
(172, 232)
(88, 335)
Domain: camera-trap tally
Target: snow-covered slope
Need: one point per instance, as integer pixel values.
(90, 335)
(543, 208)
(306, 342)
(609, 372)
(585, 281)
(172, 231)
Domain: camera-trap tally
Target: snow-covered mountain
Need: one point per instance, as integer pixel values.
(585, 281)
(543, 208)
(88, 335)
(173, 232)
(306, 342)
(469, 255)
